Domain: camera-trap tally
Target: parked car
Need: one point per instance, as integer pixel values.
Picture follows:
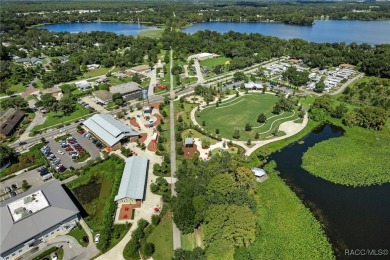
(69, 149)
(61, 152)
(22, 143)
(14, 186)
(97, 238)
(12, 193)
(7, 189)
(71, 168)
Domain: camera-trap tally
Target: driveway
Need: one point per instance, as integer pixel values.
(198, 71)
(91, 102)
(72, 249)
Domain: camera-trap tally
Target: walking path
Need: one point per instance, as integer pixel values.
(175, 230)
(198, 72)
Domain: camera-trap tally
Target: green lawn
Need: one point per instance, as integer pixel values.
(59, 118)
(117, 81)
(94, 73)
(18, 88)
(210, 63)
(151, 33)
(234, 114)
(195, 134)
(287, 229)
(78, 233)
(46, 254)
(357, 158)
(162, 239)
(188, 241)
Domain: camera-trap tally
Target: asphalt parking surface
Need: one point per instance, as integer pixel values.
(66, 159)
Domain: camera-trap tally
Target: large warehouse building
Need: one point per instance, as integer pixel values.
(34, 217)
(110, 131)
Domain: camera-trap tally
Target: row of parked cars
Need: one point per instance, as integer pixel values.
(95, 141)
(54, 161)
(72, 147)
(86, 105)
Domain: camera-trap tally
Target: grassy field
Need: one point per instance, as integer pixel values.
(234, 114)
(214, 62)
(94, 73)
(162, 238)
(18, 88)
(54, 119)
(288, 230)
(188, 241)
(195, 134)
(356, 158)
(151, 33)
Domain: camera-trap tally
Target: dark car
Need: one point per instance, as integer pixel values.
(14, 186)
(22, 143)
(71, 168)
(12, 193)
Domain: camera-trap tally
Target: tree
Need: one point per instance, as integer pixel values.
(203, 123)
(179, 119)
(205, 142)
(245, 178)
(25, 185)
(7, 154)
(156, 219)
(136, 78)
(249, 142)
(261, 118)
(239, 76)
(15, 102)
(340, 111)
(324, 102)
(248, 127)
(231, 223)
(236, 134)
(217, 131)
(222, 183)
(257, 136)
(276, 109)
(320, 86)
(148, 249)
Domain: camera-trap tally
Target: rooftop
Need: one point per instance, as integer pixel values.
(133, 178)
(126, 88)
(60, 208)
(103, 95)
(27, 205)
(108, 129)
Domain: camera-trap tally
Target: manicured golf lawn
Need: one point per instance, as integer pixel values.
(234, 114)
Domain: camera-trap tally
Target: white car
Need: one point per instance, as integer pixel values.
(62, 130)
(54, 256)
(97, 238)
(61, 152)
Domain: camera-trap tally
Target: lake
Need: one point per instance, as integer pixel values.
(118, 28)
(354, 218)
(372, 32)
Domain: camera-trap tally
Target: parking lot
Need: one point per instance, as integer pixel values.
(32, 177)
(66, 158)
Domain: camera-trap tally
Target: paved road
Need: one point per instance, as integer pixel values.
(198, 72)
(175, 230)
(346, 84)
(153, 80)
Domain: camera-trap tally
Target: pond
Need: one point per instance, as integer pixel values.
(115, 27)
(371, 32)
(354, 218)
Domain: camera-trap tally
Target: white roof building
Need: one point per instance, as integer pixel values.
(133, 180)
(108, 129)
(258, 172)
(83, 84)
(253, 85)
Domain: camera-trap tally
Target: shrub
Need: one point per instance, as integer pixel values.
(156, 219)
(148, 249)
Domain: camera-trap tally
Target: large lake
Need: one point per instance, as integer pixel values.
(115, 27)
(372, 32)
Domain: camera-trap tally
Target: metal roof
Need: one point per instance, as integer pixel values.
(258, 172)
(188, 141)
(108, 129)
(15, 233)
(133, 178)
(253, 85)
(126, 88)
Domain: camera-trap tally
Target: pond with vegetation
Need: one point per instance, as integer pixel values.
(353, 217)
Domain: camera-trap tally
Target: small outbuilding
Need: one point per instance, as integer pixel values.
(260, 174)
(189, 142)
